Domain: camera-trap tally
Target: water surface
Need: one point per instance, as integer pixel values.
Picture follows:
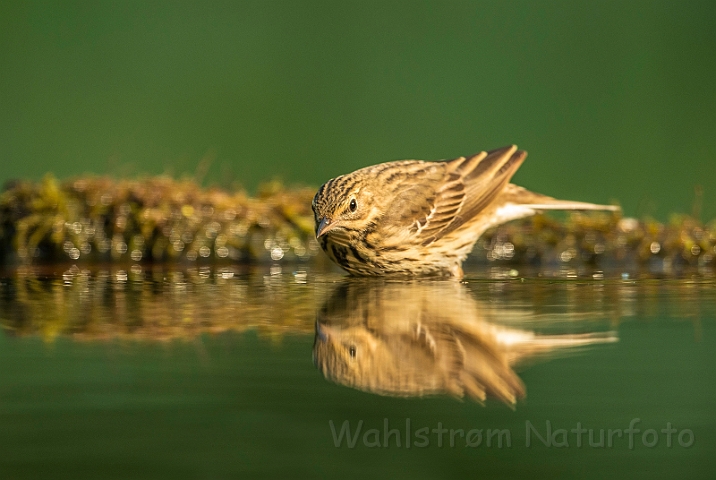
(226, 372)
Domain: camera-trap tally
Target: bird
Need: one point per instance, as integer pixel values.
(422, 218)
(426, 337)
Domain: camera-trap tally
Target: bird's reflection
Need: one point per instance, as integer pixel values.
(425, 337)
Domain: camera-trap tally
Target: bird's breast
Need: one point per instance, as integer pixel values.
(351, 256)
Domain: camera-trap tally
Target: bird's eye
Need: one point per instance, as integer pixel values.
(353, 205)
(352, 351)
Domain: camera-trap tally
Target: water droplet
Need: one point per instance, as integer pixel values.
(655, 247)
(276, 254)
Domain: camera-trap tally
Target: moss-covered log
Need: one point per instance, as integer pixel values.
(160, 219)
(154, 219)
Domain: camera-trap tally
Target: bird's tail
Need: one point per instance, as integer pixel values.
(516, 195)
(523, 344)
(516, 202)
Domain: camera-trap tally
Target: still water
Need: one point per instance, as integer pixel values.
(300, 371)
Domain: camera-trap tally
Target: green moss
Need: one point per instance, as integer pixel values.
(160, 219)
(601, 239)
(152, 219)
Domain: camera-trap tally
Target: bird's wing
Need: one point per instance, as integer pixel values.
(413, 200)
(469, 185)
(435, 198)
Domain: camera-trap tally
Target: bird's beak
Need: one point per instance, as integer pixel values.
(324, 226)
(322, 334)
(326, 332)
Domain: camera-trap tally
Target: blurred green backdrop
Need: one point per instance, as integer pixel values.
(613, 99)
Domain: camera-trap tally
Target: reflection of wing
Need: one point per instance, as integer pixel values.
(422, 338)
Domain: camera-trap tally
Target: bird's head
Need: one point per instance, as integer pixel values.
(355, 356)
(344, 203)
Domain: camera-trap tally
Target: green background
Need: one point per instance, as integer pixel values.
(614, 100)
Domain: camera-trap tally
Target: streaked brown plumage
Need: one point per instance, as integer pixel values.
(422, 218)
